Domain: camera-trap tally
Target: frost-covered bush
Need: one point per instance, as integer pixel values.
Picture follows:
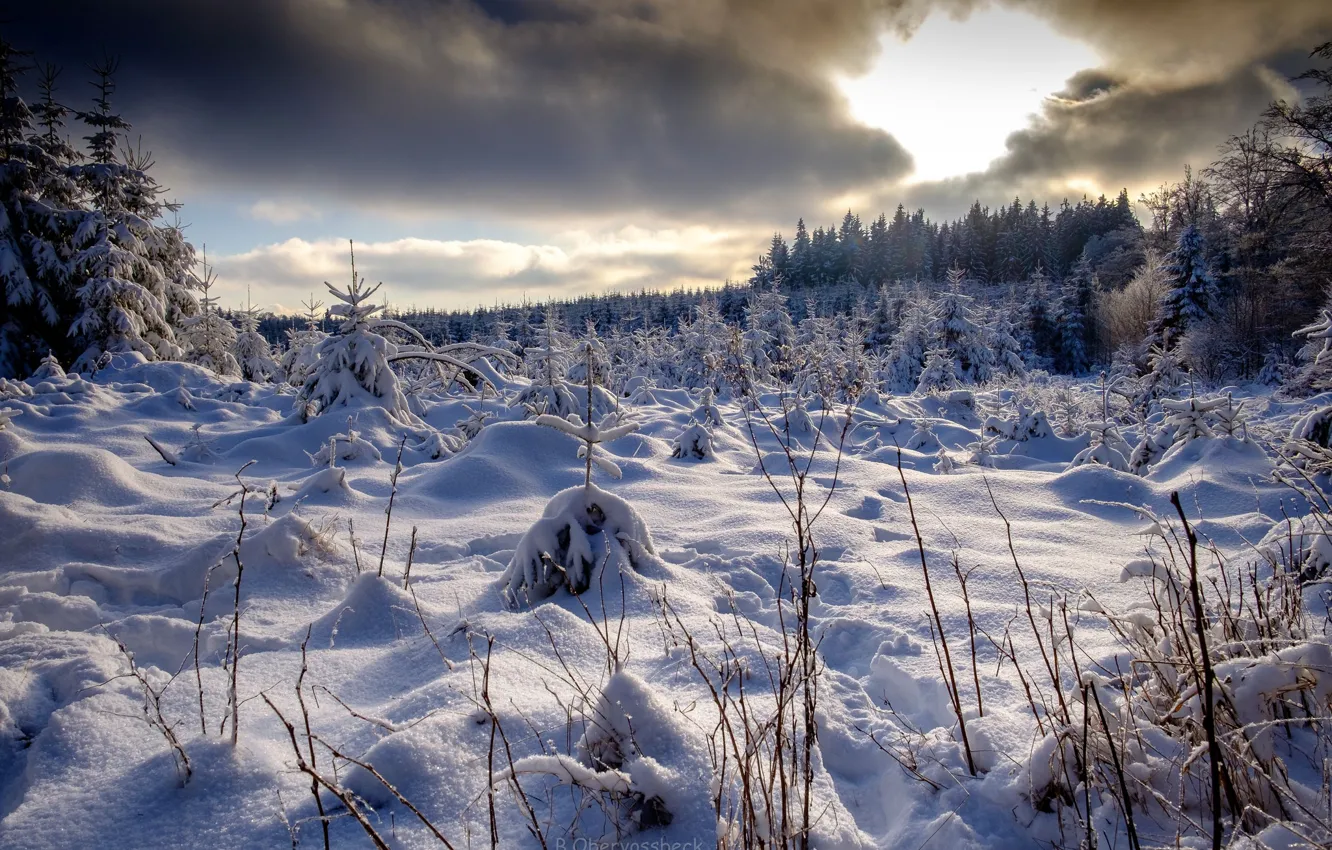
(558, 551)
(693, 443)
(922, 437)
(476, 419)
(1107, 448)
(633, 766)
(943, 462)
(1218, 684)
(1151, 448)
(347, 447)
(707, 412)
(580, 528)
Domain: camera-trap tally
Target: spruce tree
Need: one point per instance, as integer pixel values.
(1192, 294)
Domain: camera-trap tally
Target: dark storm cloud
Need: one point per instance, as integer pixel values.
(674, 106)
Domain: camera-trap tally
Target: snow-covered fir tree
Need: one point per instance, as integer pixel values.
(123, 262)
(1039, 330)
(303, 345)
(547, 357)
(883, 321)
(208, 337)
(1192, 293)
(952, 329)
(703, 347)
(351, 367)
(34, 271)
(1071, 332)
(767, 314)
(941, 372)
(906, 356)
(1005, 349)
(251, 350)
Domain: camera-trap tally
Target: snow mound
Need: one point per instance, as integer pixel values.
(81, 475)
(374, 611)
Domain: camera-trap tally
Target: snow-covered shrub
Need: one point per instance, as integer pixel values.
(1315, 371)
(1314, 427)
(1151, 448)
(633, 766)
(1107, 448)
(14, 389)
(940, 373)
(1300, 546)
(796, 419)
(7, 415)
(982, 452)
(943, 462)
(1191, 418)
(557, 551)
(580, 527)
(1027, 424)
(438, 444)
(48, 369)
(707, 412)
(922, 438)
(476, 419)
(347, 447)
(1209, 688)
(197, 450)
(693, 443)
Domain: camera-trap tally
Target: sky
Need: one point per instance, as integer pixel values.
(487, 151)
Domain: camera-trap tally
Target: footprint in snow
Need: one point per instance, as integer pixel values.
(870, 508)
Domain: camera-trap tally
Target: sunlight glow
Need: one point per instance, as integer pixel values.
(953, 93)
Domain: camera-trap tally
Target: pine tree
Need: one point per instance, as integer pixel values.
(1192, 294)
(906, 356)
(34, 191)
(940, 372)
(883, 323)
(953, 331)
(251, 350)
(209, 338)
(767, 314)
(1071, 332)
(303, 345)
(124, 290)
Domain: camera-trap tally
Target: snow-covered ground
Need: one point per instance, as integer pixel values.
(102, 540)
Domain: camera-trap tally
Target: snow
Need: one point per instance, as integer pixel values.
(103, 537)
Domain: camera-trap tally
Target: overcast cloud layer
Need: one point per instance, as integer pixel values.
(660, 114)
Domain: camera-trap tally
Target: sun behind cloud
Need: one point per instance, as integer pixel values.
(955, 90)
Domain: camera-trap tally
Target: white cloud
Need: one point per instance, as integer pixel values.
(281, 212)
(461, 274)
